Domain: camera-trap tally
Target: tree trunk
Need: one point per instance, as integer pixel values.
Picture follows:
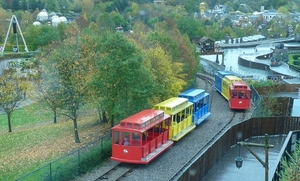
(54, 118)
(104, 118)
(9, 123)
(76, 135)
(99, 114)
(112, 121)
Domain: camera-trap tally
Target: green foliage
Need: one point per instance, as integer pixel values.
(122, 82)
(39, 36)
(290, 165)
(294, 61)
(261, 83)
(188, 26)
(297, 62)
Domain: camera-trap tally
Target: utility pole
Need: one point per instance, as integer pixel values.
(239, 160)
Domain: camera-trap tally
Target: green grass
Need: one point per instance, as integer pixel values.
(26, 134)
(27, 116)
(35, 141)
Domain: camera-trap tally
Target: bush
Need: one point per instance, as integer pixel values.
(296, 62)
(296, 56)
(79, 162)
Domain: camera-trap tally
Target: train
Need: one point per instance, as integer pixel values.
(233, 89)
(142, 137)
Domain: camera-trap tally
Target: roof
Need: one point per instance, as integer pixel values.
(224, 73)
(233, 78)
(204, 39)
(193, 95)
(173, 105)
(142, 121)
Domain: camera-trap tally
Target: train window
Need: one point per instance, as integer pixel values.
(129, 125)
(166, 123)
(178, 118)
(136, 139)
(136, 136)
(234, 94)
(247, 95)
(241, 95)
(117, 137)
(137, 126)
(125, 138)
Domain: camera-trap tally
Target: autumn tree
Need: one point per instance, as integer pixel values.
(49, 87)
(71, 65)
(12, 91)
(181, 51)
(166, 74)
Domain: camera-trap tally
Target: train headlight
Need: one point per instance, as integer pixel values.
(125, 151)
(240, 102)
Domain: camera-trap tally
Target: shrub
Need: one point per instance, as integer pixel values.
(296, 62)
(79, 162)
(295, 56)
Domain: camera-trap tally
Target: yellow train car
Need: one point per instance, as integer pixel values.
(181, 112)
(226, 82)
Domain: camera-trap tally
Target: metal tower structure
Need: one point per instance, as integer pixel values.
(14, 22)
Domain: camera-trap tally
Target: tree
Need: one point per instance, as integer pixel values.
(15, 5)
(188, 26)
(50, 87)
(71, 65)
(290, 165)
(12, 93)
(165, 73)
(297, 29)
(51, 5)
(122, 81)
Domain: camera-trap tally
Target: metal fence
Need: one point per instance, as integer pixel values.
(73, 164)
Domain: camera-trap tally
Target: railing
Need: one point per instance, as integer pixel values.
(253, 127)
(256, 100)
(287, 147)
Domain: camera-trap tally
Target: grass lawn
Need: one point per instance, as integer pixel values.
(35, 140)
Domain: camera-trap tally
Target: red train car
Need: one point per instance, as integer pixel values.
(141, 137)
(239, 95)
(234, 89)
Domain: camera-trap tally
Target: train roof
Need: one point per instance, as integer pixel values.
(193, 94)
(236, 85)
(173, 105)
(142, 121)
(224, 73)
(233, 78)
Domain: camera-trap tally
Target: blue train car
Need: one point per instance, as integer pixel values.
(201, 104)
(219, 78)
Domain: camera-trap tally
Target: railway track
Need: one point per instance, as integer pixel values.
(209, 85)
(209, 81)
(116, 173)
(236, 116)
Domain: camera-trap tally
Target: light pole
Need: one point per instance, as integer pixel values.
(239, 159)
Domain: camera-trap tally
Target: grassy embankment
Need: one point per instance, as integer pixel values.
(35, 140)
